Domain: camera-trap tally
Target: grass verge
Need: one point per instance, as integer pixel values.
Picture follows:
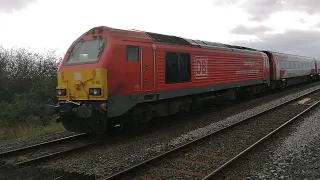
(29, 130)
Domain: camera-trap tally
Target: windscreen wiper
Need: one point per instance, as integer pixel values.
(101, 49)
(73, 52)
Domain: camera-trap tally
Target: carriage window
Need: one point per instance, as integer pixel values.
(300, 65)
(133, 53)
(287, 65)
(291, 65)
(282, 66)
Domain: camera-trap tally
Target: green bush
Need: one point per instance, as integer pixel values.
(27, 83)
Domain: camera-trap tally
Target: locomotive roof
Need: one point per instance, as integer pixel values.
(170, 39)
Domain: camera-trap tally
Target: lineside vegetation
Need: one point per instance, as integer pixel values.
(27, 83)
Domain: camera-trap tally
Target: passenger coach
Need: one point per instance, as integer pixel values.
(290, 69)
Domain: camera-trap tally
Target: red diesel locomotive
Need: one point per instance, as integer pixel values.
(110, 77)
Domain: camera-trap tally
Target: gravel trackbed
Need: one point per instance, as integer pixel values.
(292, 154)
(111, 158)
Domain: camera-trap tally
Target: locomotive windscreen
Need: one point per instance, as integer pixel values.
(86, 51)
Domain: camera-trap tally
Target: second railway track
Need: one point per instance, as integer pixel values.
(203, 158)
(50, 149)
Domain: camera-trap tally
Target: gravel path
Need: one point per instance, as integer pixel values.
(293, 154)
(110, 158)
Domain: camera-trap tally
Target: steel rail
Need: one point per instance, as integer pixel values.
(180, 149)
(55, 141)
(233, 160)
(57, 154)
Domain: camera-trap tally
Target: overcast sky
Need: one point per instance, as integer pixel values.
(291, 26)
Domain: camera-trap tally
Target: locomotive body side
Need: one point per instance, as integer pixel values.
(209, 70)
(111, 77)
(168, 78)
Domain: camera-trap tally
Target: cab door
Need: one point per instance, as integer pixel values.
(140, 67)
(133, 69)
(147, 57)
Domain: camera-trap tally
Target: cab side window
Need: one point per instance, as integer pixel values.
(132, 53)
(177, 67)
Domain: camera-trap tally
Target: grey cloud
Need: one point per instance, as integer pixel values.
(224, 2)
(302, 21)
(298, 42)
(317, 25)
(250, 30)
(8, 6)
(262, 9)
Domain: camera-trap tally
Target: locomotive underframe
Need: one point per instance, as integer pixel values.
(90, 117)
(83, 116)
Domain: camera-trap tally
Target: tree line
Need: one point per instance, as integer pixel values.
(27, 83)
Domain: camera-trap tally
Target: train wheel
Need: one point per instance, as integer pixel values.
(283, 85)
(116, 126)
(70, 124)
(135, 122)
(94, 125)
(101, 125)
(130, 124)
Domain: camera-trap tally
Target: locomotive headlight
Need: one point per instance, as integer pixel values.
(61, 92)
(95, 91)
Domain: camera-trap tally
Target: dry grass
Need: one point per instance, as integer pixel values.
(31, 130)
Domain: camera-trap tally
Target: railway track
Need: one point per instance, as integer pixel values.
(26, 172)
(50, 149)
(206, 157)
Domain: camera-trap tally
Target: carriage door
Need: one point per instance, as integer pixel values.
(147, 57)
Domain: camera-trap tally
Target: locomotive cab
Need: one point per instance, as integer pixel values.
(100, 76)
(82, 85)
(79, 76)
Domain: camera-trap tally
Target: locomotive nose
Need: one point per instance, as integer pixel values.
(82, 84)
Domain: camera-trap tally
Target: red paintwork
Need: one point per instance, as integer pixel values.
(124, 77)
(221, 66)
(282, 72)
